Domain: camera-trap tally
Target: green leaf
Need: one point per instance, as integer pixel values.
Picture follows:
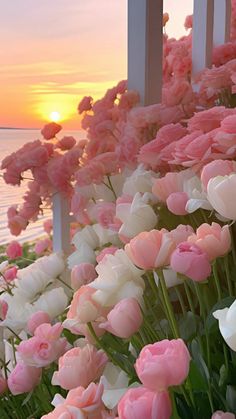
(231, 398)
(223, 375)
(198, 382)
(197, 357)
(188, 326)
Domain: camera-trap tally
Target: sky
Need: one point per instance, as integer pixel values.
(54, 52)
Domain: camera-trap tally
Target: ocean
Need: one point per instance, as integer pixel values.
(10, 141)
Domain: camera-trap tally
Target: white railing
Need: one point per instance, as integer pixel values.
(211, 26)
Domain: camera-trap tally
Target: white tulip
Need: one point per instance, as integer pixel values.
(53, 265)
(117, 278)
(86, 235)
(136, 217)
(227, 324)
(170, 276)
(31, 281)
(83, 254)
(221, 193)
(115, 382)
(139, 181)
(53, 302)
(106, 235)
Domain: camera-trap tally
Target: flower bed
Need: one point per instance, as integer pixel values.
(139, 320)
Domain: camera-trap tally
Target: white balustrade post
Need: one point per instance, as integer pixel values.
(202, 42)
(61, 223)
(222, 16)
(145, 46)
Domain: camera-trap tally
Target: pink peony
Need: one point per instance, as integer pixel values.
(44, 347)
(85, 104)
(50, 130)
(72, 372)
(140, 403)
(14, 250)
(66, 143)
(163, 364)
(188, 259)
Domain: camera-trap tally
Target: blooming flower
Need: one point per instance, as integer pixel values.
(163, 364)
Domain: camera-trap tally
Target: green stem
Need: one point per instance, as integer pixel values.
(229, 283)
(180, 298)
(217, 281)
(190, 301)
(200, 299)
(105, 349)
(111, 186)
(175, 414)
(233, 244)
(168, 304)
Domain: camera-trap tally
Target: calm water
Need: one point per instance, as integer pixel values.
(11, 140)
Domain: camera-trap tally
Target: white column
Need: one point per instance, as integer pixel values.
(61, 223)
(222, 16)
(145, 46)
(202, 35)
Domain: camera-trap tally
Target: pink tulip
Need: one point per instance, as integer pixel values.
(222, 415)
(176, 203)
(66, 143)
(85, 104)
(42, 245)
(82, 274)
(23, 378)
(181, 233)
(14, 250)
(151, 249)
(124, 319)
(213, 239)
(80, 403)
(36, 320)
(3, 383)
(163, 364)
(3, 309)
(10, 273)
(47, 226)
(188, 259)
(50, 130)
(217, 168)
(141, 403)
(79, 367)
(111, 250)
(44, 347)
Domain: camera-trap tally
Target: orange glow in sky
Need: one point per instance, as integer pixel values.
(51, 57)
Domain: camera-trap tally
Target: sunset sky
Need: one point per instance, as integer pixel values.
(55, 52)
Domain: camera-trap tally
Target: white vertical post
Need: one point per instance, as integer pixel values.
(222, 16)
(61, 223)
(145, 46)
(202, 35)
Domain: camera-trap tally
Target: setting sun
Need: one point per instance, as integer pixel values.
(55, 116)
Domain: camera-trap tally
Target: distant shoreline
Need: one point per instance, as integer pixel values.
(19, 128)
